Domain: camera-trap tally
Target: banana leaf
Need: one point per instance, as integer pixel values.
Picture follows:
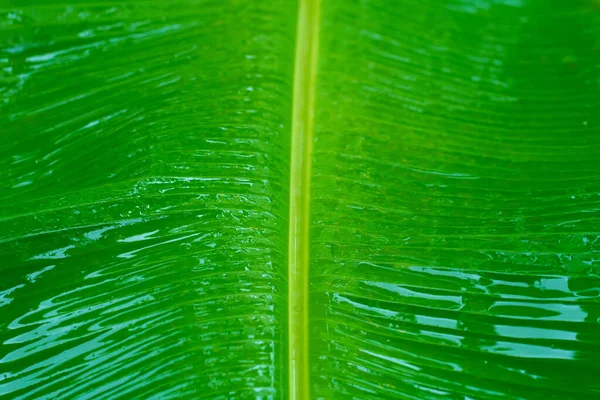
(229, 199)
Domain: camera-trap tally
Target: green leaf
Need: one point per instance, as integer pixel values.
(456, 201)
(145, 165)
(369, 199)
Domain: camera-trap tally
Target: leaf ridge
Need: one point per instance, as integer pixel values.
(305, 68)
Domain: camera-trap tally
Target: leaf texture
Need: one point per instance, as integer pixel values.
(454, 199)
(145, 155)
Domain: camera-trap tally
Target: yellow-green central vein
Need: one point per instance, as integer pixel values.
(302, 132)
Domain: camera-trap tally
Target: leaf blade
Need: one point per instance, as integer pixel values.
(145, 213)
(449, 155)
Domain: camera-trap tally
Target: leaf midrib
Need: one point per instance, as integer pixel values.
(307, 37)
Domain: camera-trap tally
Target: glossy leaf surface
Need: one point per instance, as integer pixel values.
(456, 201)
(144, 203)
(145, 157)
